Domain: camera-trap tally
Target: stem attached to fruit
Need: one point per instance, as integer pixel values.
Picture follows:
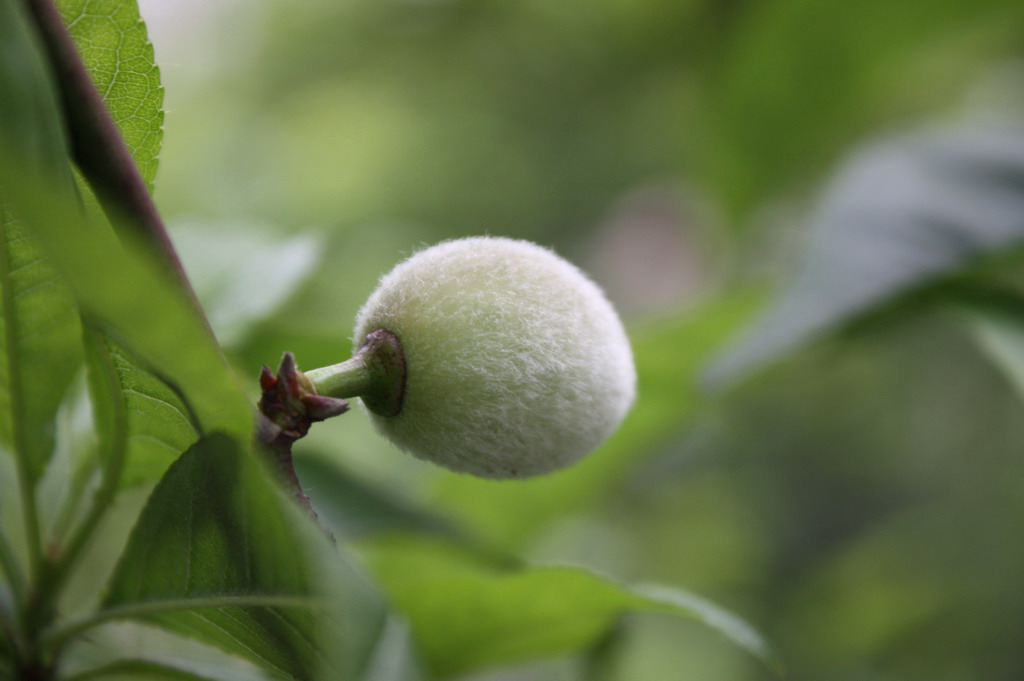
(292, 401)
(344, 379)
(376, 374)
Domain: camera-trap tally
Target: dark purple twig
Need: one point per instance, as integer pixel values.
(99, 150)
(288, 407)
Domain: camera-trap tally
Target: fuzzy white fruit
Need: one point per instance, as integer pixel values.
(516, 363)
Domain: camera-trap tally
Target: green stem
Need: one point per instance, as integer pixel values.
(70, 507)
(376, 374)
(117, 449)
(8, 650)
(10, 566)
(345, 379)
(26, 480)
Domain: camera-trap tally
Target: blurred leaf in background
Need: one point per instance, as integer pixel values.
(857, 497)
(905, 217)
(799, 80)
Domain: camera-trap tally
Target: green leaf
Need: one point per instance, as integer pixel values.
(39, 320)
(112, 41)
(468, 614)
(243, 272)
(40, 342)
(800, 79)
(670, 356)
(221, 555)
(902, 216)
(30, 124)
(136, 412)
(137, 304)
(37, 120)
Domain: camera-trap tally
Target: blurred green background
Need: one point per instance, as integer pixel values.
(848, 475)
